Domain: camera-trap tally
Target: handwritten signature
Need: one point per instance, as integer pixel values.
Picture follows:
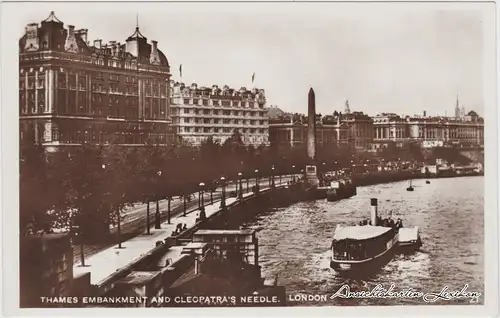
(379, 291)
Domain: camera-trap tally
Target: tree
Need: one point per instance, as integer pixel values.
(118, 183)
(81, 175)
(35, 198)
(210, 155)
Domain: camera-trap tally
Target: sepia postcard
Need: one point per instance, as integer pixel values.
(280, 158)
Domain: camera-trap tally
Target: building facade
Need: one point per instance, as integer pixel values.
(360, 128)
(72, 92)
(202, 112)
(291, 131)
(466, 131)
(45, 269)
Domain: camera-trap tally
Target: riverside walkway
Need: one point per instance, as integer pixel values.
(134, 218)
(106, 262)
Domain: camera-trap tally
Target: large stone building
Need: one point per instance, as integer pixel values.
(290, 130)
(72, 92)
(202, 112)
(466, 131)
(353, 128)
(360, 127)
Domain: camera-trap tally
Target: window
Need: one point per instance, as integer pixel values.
(82, 83)
(236, 103)
(205, 102)
(31, 82)
(40, 81)
(186, 101)
(215, 102)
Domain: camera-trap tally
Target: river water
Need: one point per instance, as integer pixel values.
(294, 242)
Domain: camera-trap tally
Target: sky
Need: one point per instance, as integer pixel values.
(382, 58)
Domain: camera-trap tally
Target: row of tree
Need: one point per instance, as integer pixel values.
(88, 186)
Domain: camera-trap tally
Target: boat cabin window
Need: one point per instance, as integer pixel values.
(355, 250)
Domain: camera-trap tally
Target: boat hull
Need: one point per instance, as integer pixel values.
(341, 193)
(315, 193)
(369, 266)
(408, 247)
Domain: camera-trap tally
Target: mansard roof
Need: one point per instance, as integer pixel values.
(52, 35)
(52, 18)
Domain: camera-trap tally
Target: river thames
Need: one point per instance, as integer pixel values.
(295, 241)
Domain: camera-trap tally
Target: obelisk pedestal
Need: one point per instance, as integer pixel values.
(311, 173)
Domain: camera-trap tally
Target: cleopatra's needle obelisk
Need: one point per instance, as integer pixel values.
(311, 173)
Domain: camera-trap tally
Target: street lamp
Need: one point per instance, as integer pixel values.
(256, 181)
(223, 198)
(272, 176)
(157, 213)
(240, 175)
(293, 173)
(119, 221)
(202, 203)
(202, 207)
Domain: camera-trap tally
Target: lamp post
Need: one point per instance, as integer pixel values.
(119, 221)
(223, 198)
(202, 203)
(272, 176)
(211, 194)
(202, 208)
(293, 173)
(184, 204)
(157, 213)
(168, 215)
(256, 181)
(240, 195)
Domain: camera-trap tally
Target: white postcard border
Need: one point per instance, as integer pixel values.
(10, 185)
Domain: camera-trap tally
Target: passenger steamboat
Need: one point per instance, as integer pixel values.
(363, 248)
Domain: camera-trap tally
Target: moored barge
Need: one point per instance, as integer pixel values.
(340, 189)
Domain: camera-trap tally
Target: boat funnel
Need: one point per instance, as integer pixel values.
(373, 210)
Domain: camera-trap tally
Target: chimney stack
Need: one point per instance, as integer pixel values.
(154, 57)
(98, 43)
(71, 30)
(425, 113)
(373, 210)
(83, 34)
(154, 49)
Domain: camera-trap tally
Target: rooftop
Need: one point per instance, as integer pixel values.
(139, 278)
(408, 234)
(224, 232)
(363, 232)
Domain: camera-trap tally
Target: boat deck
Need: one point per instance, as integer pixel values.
(408, 234)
